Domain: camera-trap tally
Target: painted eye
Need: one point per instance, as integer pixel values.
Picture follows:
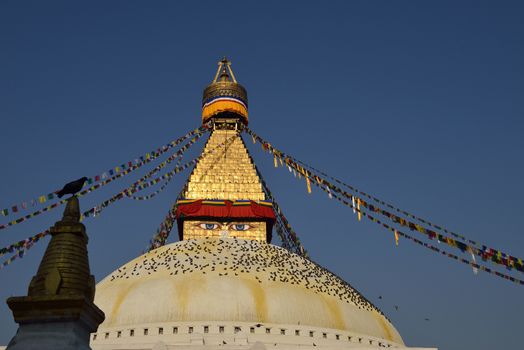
(240, 227)
(208, 226)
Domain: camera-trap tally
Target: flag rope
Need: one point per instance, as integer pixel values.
(96, 210)
(146, 158)
(499, 257)
(96, 186)
(283, 226)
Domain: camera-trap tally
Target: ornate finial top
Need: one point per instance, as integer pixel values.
(224, 71)
(224, 97)
(72, 211)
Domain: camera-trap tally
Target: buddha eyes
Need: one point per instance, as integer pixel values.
(235, 227)
(207, 226)
(240, 227)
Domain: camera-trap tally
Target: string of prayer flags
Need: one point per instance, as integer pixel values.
(115, 170)
(433, 248)
(81, 193)
(22, 246)
(485, 253)
(162, 233)
(377, 200)
(179, 154)
(287, 235)
(97, 209)
(23, 243)
(19, 254)
(94, 187)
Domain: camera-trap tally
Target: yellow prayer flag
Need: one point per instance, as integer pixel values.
(275, 161)
(359, 214)
(396, 238)
(41, 199)
(308, 185)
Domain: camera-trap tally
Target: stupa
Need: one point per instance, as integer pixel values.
(224, 285)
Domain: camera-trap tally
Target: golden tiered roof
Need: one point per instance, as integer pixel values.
(226, 172)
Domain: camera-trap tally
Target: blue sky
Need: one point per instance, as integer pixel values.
(418, 103)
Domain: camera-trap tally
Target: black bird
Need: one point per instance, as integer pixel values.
(72, 188)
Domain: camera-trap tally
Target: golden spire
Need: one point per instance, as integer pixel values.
(224, 195)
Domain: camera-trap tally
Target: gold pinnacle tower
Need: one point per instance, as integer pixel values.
(224, 195)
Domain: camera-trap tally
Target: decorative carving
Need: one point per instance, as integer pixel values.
(52, 281)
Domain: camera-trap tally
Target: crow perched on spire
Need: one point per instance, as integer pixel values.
(72, 188)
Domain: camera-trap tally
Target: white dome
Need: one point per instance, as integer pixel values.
(235, 281)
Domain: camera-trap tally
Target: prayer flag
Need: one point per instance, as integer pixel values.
(396, 238)
(308, 185)
(475, 270)
(41, 199)
(359, 214)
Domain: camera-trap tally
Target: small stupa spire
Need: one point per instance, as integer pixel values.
(58, 309)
